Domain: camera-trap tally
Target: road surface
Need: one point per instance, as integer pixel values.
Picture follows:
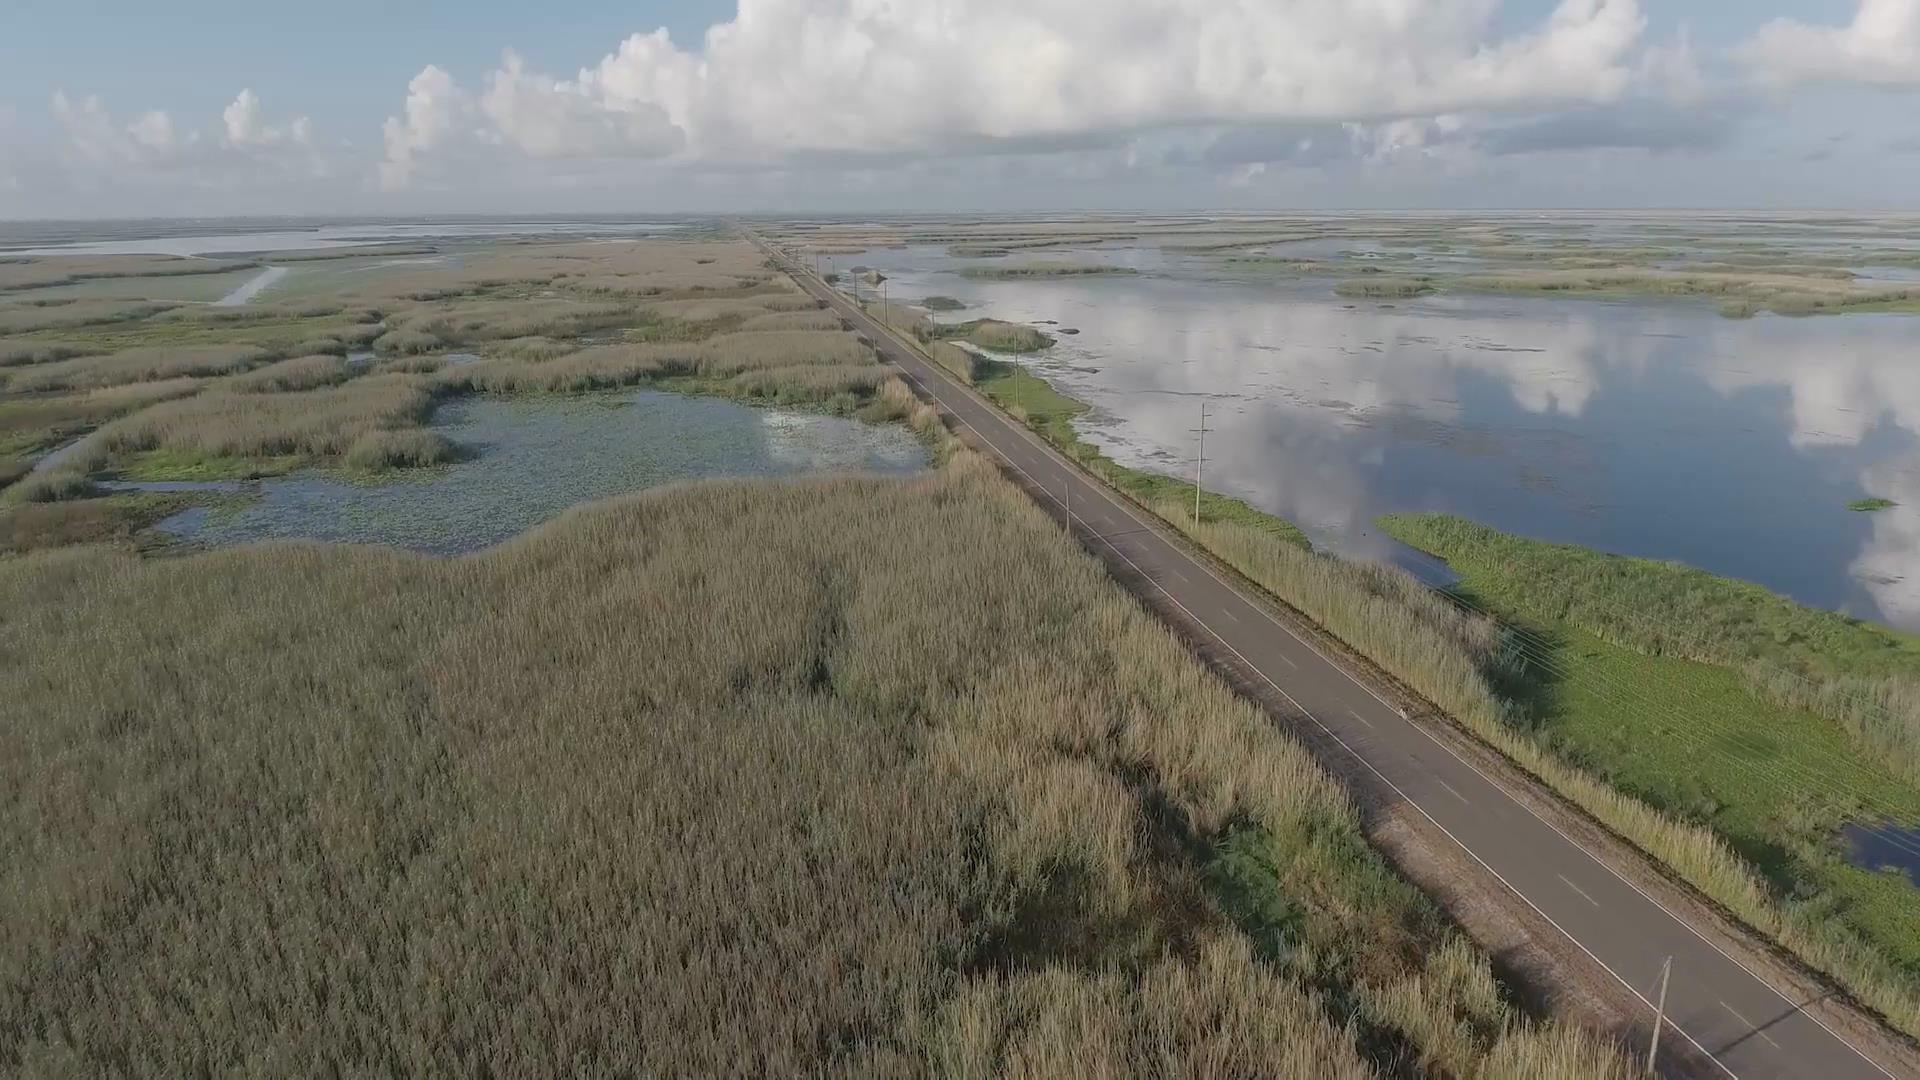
(1731, 1015)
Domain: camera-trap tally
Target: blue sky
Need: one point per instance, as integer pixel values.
(122, 108)
(343, 60)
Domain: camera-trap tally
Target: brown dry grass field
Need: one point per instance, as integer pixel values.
(947, 804)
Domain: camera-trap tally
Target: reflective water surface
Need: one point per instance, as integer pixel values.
(532, 458)
(1884, 847)
(1655, 428)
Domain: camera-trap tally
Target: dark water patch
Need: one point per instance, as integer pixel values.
(532, 458)
(1884, 848)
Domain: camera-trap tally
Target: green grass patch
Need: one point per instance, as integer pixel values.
(1871, 503)
(1666, 607)
(179, 463)
(1625, 688)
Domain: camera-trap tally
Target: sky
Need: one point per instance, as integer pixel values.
(128, 108)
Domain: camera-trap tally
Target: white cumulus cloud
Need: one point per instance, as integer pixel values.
(879, 76)
(435, 108)
(552, 118)
(92, 134)
(1880, 46)
(246, 125)
(92, 157)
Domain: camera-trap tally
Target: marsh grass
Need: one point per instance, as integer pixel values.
(48, 486)
(986, 333)
(817, 319)
(26, 351)
(1277, 262)
(29, 424)
(1871, 503)
(29, 317)
(115, 519)
(1743, 293)
(1385, 287)
(136, 365)
(298, 373)
(358, 251)
(279, 331)
(942, 303)
(224, 434)
(472, 322)
(47, 271)
(989, 334)
(407, 343)
(964, 363)
(410, 449)
(841, 822)
(1044, 269)
(829, 367)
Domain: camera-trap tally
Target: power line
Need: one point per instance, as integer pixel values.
(1199, 459)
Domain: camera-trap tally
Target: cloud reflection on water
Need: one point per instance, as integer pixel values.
(1653, 428)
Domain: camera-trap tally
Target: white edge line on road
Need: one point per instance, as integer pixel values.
(1583, 894)
(1108, 497)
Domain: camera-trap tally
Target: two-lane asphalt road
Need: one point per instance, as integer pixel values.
(1735, 1017)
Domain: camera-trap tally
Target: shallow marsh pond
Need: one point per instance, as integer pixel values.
(534, 457)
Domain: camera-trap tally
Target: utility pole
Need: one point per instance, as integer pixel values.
(1659, 1018)
(1199, 459)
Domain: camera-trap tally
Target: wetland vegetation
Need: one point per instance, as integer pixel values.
(989, 334)
(960, 761)
(1044, 270)
(186, 392)
(1743, 266)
